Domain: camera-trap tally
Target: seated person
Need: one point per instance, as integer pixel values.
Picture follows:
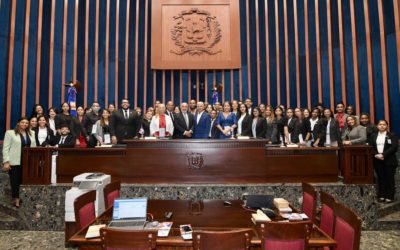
(64, 139)
(354, 134)
(161, 125)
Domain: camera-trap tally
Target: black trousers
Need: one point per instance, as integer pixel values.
(386, 183)
(15, 174)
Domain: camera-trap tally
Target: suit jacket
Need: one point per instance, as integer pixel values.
(261, 127)
(69, 141)
(246, 125)
(358, 135)
(202, 129)
(171, 114)
(180, 125)
(214, 130)
(334, 131)
(124, 128)
(294, 129)
(12, 147)
(49, 137)
(389, 150)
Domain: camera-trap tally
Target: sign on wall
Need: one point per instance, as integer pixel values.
(195, 34)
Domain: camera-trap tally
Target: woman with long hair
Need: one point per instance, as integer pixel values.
(14, 141)
(43, 134)
(103, 132)
(226, 121)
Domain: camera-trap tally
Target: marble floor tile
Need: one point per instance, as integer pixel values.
(40, 240)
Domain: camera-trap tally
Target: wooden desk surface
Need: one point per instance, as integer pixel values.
(202, 215)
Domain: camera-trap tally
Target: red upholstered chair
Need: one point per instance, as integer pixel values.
(117, 239)
(347, 231)
(222, 240)
(327, 220)
(84, 208)
(309, 201)
(285, 235)
(111, 192)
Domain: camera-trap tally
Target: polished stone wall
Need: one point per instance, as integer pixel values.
(43, 206)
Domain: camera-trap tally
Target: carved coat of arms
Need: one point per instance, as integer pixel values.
(195, 160)
(196, 32)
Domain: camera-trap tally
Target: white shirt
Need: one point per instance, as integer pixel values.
(52, 124)
(254, 127)
(199, 116)
(155, 125)
(42, 135)
(212, 123)
(240, 121)
(380, 142)
(313, 122)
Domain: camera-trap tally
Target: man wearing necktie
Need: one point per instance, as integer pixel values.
(170, 110)
(183, 123)
(64, 139)
(124, 123)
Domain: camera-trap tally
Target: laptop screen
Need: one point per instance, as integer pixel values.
(130, 208)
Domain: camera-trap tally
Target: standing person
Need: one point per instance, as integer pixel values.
(183, 123)
(235, 108)
(82, 138)
(33, 122)
(329, 131)
(226, 121)
(145, 124)
(269, 118)
(314, 125)
(384, 147)
(243, 122)
(278, 131)
(292, 128)
(214, 132)
(90, 124)
(52, 119)
(354, 134)
(340, 115)
(111, 108)
(14, 142)
(258, 124)
(102, 131)
(124, 123)
(249, 104)
(202, 122)
(262, 109)
(65, 118)
(37, 111)
(304, 126)
(170, 110)
(43, 134)
(192, 106)
(161, 125)
(365, 121)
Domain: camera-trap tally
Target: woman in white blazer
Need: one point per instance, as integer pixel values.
(14, 141)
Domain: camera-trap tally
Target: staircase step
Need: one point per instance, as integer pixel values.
(388, 208)
(390, 221)
(8, 222)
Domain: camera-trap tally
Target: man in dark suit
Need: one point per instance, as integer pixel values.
(124, 123)
(89, 121)
(202, 123)
(183, 123)
(214, 131)
(64, 139)
(170, 110)
(249, 104)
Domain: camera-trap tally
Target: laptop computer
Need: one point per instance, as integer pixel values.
(129, 213)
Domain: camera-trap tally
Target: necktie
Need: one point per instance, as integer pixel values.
(186, 120)
(62, 140)
(126, 114)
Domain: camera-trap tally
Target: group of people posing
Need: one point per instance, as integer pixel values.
(94, 126)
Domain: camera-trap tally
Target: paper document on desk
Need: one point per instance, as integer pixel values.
(94, 231)
(259, 217)
(164, 228)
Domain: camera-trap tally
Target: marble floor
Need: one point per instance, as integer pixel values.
(370, 240)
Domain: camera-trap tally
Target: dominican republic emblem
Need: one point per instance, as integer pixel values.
(196, 32)
(195, 160)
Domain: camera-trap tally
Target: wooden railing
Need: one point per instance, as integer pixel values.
(129, 164)
(37, 166)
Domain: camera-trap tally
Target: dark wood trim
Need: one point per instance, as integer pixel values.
(240, 84)
(384, 61)
(136, 94)
(258, 52)
(25, 57)
(51, 54)
(107, 54)
(296, 45)
(330, 55)
(223, 85)
(10, 62)
(318, 44)
(287, 61)
(278, 76)
(370, 62)
(355, 56)
(206, 86)
(39, 52)
(342, 52)
(248, 50)
(307, 50)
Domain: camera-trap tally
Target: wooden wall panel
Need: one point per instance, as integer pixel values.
(342, 55)
(25, 56)
(369, 62)
(355, 55)
(51, 55)
(39, 51)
